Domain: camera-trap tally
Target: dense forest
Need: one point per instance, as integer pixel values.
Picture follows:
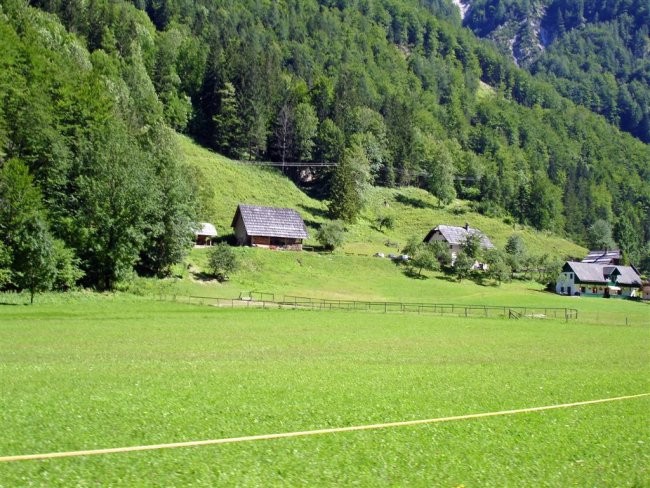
(595, 52)
(393, 92)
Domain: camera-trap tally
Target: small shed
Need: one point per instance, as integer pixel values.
(205, 234)
(269, 227)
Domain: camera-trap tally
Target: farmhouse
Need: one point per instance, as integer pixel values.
(269, 227)
(205, 234)
(455, 237)
(592, 279)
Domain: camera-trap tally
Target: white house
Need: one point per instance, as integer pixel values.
(592, 279)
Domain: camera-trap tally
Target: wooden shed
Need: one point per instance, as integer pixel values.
(269, 227)
(205, 234)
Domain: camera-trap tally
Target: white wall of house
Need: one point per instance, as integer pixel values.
(565, 284)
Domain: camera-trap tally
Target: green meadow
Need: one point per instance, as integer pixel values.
(86, 371)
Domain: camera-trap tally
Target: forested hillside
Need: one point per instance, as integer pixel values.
(393, 92)
(595, 52)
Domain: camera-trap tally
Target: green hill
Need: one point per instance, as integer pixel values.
(225, 183)
(350, 272)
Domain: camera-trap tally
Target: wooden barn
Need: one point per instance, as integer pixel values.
(269, 227)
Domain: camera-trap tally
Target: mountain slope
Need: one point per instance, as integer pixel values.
(595, 53)
(90, 90)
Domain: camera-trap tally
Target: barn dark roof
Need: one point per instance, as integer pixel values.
(603, 257)
(271, 222)
(458, 235)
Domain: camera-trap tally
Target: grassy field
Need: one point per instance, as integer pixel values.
(87, 371)
(337, 276)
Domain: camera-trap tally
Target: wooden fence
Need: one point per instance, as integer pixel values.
(268, 300)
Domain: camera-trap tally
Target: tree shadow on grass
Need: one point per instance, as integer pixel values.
(312, 224)
(413, 274)
(207, 277)
(447, 278)
(413, 202)
(318, 212)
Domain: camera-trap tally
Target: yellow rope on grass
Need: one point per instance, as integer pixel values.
(232, 440)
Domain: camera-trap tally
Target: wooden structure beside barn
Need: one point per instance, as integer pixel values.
(270, 227)
(205, 234)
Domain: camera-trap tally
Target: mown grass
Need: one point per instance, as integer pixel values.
(112, 371)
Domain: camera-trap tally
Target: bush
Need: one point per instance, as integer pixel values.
(221, 261)
(424, 257)
(331, 235)
(385, 221)
(463, 266)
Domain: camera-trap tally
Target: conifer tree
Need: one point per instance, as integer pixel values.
(349, 185)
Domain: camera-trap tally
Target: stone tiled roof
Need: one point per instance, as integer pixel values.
(458, 235)
(271, 222)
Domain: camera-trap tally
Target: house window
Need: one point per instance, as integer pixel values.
(571, 276)
(594, 290)
(451, 246)
(619, 292)
(583, 289)
(561, 289)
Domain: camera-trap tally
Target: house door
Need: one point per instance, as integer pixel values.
(569, 291)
